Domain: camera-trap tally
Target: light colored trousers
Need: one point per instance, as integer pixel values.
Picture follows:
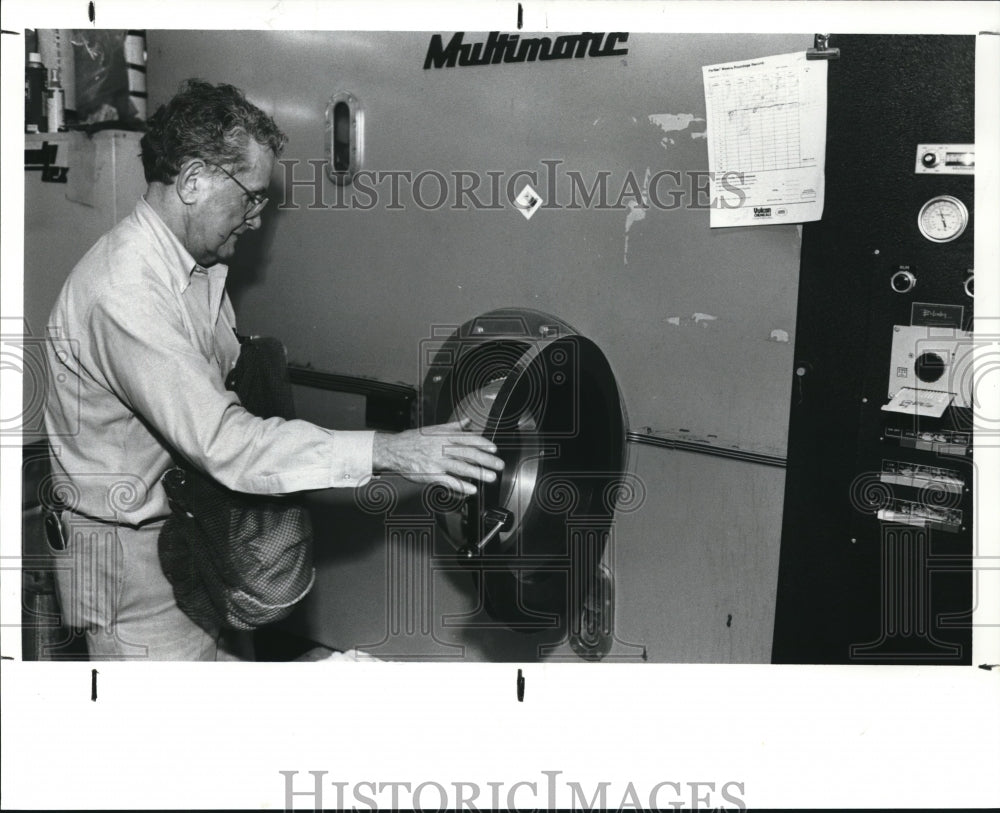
(111, 585)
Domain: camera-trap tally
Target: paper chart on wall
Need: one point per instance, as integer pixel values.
(766, 122)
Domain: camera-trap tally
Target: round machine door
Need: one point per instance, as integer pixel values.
(546, 396)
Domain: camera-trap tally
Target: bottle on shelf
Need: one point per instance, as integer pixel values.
(34, 94)
(55, 104)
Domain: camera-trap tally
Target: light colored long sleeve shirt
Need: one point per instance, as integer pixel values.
(140, 342)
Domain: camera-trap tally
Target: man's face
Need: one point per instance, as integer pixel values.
(220, 217)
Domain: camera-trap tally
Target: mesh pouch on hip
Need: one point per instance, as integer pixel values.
(238, 561)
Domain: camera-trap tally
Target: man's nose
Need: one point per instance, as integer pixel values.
(254, 222)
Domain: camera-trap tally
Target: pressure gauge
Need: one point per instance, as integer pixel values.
(942, 219)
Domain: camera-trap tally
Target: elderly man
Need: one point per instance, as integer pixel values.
(142, 338)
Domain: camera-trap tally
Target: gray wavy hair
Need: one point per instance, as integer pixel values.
(212, 122)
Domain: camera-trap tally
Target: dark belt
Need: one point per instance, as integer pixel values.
(56, 536)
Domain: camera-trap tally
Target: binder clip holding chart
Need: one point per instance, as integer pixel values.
(821, 48)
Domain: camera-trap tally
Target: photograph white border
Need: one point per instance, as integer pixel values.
(198, 736)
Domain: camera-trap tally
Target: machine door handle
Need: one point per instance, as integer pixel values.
(497, 520)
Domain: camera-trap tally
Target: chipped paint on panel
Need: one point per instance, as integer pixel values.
(676, 122)
(670, 122)
(778, 335)
(694, 319)
(637, 210)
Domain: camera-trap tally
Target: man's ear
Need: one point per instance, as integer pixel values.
(191, 180)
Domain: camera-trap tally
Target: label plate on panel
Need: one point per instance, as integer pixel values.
(928, 314)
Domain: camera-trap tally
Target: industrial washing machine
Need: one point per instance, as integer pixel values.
(533, 540)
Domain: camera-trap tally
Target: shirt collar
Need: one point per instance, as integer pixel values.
(178, 260)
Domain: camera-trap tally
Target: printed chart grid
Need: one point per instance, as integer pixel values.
(757, 122)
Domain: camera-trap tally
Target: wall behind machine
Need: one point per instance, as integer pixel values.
(696, 324)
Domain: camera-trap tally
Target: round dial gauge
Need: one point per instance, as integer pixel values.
(943, 218)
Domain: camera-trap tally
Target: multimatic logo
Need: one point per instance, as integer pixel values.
(761, 211)
(511, 48)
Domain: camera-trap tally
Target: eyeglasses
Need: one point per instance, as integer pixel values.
(256, 202)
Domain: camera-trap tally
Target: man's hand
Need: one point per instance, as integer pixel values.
(443, 454)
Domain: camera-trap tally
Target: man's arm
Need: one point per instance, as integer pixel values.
(143, 351)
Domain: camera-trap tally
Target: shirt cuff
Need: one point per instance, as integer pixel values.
(351, 458)
(330, 459)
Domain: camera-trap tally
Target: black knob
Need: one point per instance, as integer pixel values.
(928, 159)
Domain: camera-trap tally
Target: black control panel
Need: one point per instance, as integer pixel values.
(877, 531)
